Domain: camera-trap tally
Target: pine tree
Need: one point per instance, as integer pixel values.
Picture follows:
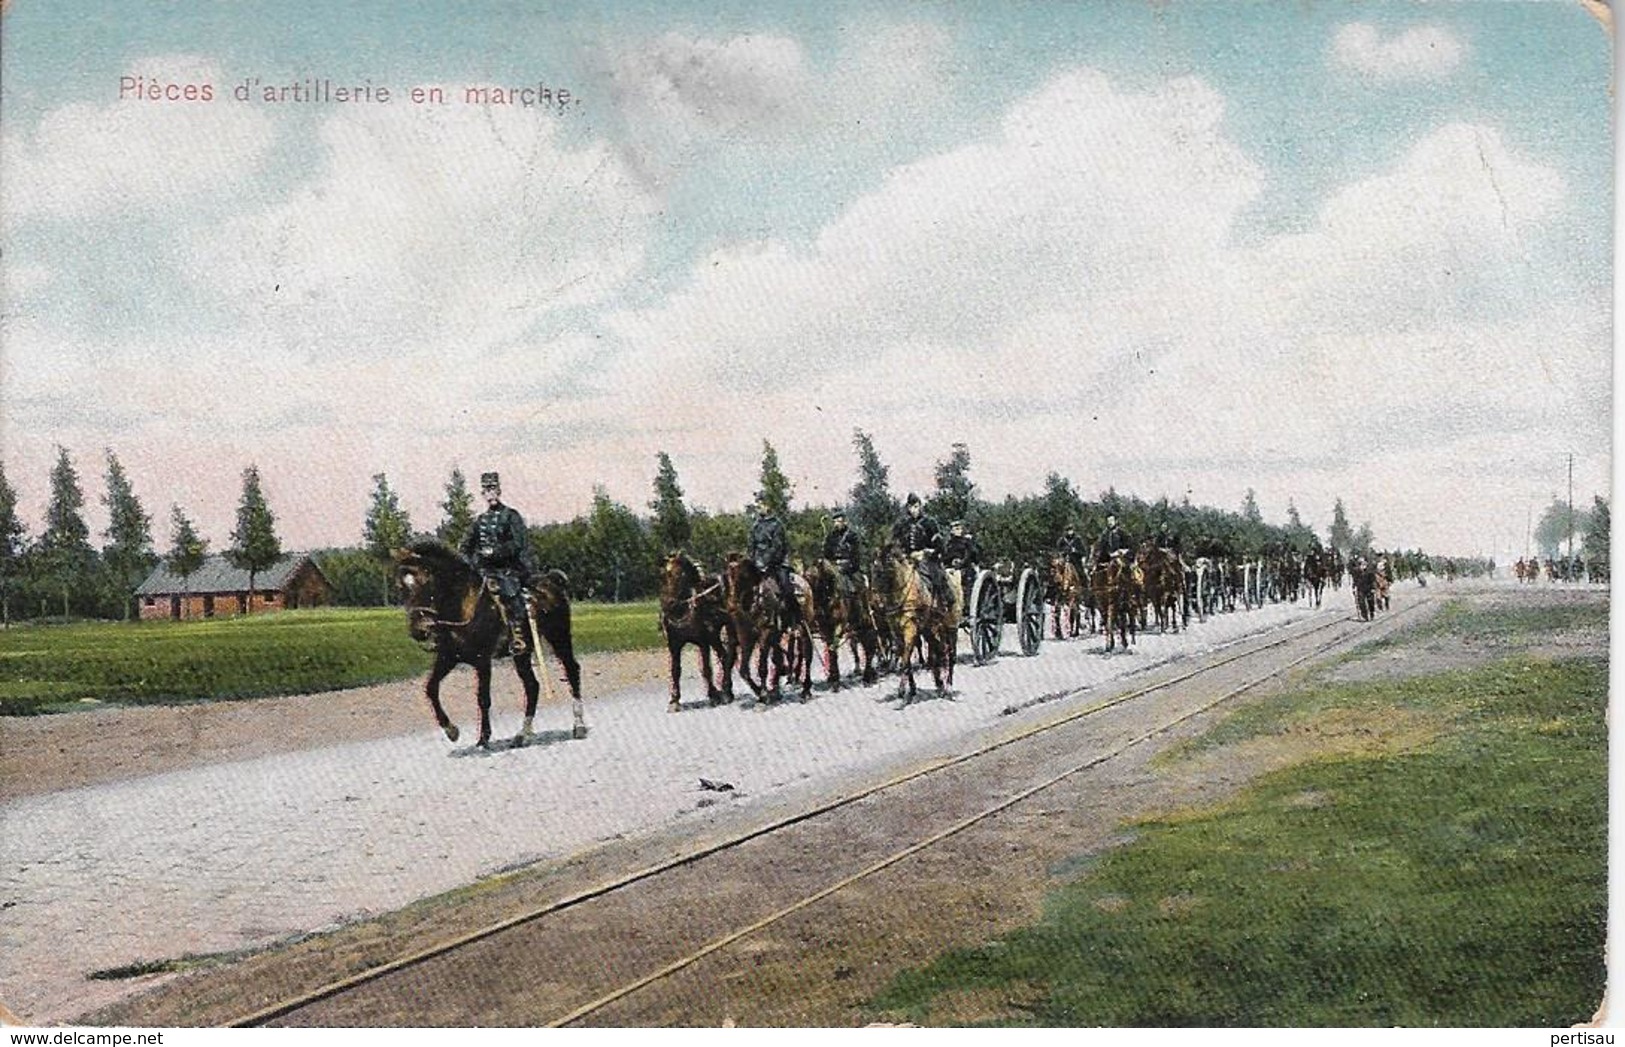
(873, 509)
(387, 527)
(13, 543)
(128, 553)
(953, 497)
(254, 544)
(1341, 535)
(458, 510)
(776, 488)
(64, 548)
(672, 527)
(1596, 541)
(187, 550)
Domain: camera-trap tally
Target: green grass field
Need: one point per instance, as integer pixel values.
(1458, 880)
(51, 668)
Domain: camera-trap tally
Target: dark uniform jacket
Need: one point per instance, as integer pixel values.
(961, 550)
(1111, 540)
(497, 542)
(842, 548)
(1073, 547)
(913, 534)
(768, 545)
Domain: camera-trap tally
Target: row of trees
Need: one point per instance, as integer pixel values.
(612, 552)
(61, 572)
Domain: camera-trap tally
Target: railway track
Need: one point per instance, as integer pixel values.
(598, 949)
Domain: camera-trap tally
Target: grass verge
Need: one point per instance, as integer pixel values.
(1460, 884)
(44, 669)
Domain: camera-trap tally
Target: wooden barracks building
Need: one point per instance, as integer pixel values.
(218, 588)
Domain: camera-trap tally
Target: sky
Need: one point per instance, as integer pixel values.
(1320, 250)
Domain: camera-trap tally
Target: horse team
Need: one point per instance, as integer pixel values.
(896, 616)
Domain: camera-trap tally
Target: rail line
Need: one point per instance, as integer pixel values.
(362, 978)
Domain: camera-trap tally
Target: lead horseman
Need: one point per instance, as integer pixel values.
(498, 547)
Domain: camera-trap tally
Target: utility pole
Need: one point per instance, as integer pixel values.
(1571, 507)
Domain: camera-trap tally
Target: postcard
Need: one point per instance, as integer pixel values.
(799, 396)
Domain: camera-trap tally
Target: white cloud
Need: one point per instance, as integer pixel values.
(444, 232)
(88, 159)
(1418, 53)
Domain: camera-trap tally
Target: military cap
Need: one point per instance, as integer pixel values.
(913, 499)
(489, 481)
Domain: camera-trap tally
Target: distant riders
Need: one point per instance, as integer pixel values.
(498, 547)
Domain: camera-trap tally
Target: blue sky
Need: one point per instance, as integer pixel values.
(1161, 247)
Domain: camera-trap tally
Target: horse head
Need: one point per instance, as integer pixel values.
(437, 587)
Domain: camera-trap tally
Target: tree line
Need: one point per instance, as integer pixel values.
(613, 551)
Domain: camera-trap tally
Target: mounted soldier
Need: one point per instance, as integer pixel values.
(919, 537)
(1111, 540)
(1168, 538)
(1072, 546)
(962, 555)
(498, 547)
(770, 549)
(843, 548)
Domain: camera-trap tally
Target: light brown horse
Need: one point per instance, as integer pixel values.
(839, 612)
(1116, 599)
(771, 633)
(924, 616)
(1068, 592)
(692, 612)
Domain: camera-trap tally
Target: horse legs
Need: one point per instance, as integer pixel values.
(674, 652)
(533, 689)
(727, 651)
(482, 676)
(555, 629)
(906, 641)
(443, 664)
(832, 662)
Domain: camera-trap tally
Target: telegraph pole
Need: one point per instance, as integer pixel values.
(1571, 507)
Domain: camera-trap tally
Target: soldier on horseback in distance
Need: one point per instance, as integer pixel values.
(844, 549)
(770, 549)
(498, 547)
(1111, 540)
(1072, 547)
(919, 537)
(962, 554)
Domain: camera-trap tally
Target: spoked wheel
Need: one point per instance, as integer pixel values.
(986, 618)
(1029, 612)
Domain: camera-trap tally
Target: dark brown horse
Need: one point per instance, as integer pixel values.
(1116, 599)
(1314, 574)
(449, 609)
(1067, 593)
(769, 628)
(1164, 580)
(840, 613)
(692, 612)
(924, 617)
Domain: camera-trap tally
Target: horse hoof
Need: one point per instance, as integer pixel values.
(484, 743)
(451, 732)
(579, 731)
(519, 740)
(674, 706)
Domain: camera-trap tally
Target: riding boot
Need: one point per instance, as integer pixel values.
(518, 622)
